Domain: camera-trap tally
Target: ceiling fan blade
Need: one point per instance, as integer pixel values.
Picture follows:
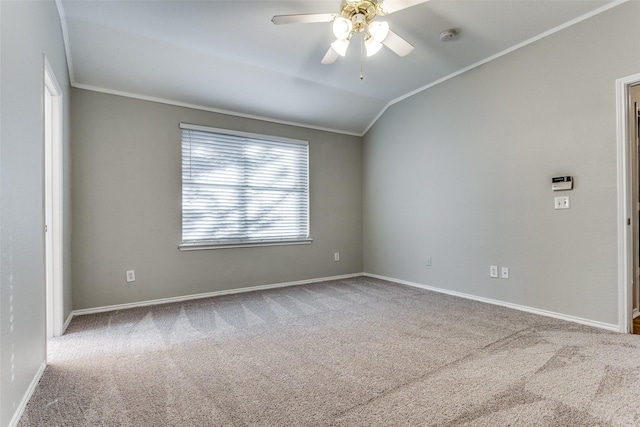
(330, 57)
(390, 6)
(303, 19)
(397, 44)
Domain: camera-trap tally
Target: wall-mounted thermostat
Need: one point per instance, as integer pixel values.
(560, 183)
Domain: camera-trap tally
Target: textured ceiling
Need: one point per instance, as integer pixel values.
(229, 56)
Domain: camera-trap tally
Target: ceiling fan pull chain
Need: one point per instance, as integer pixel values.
(361, 54)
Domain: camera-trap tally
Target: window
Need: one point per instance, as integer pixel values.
(243, 189)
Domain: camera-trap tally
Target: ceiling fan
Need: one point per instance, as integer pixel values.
(358, 16)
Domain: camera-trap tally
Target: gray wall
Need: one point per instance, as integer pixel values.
(28, 29)
(462, 172)
(126, 211)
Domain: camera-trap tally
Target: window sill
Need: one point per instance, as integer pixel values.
(207, 246)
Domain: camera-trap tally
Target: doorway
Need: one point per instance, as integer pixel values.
(634, 155)
(52, 178)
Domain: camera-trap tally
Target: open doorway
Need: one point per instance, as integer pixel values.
(628, 201)
(633, 142)
(53, 201)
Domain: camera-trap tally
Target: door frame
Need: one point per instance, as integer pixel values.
(53, 201)
(625, 202)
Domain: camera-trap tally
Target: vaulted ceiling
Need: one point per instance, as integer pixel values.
(228, 56)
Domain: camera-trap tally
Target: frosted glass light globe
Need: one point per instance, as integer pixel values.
(379, 30)
(342, 28)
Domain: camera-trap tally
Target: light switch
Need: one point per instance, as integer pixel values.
(562, 202)
(493, 271)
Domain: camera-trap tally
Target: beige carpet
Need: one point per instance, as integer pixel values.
(356, 352)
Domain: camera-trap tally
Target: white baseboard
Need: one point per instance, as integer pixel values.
(206, 295)
(66, 323)
(574, 319)
(27, 395)
(636, 313)
(569, 318)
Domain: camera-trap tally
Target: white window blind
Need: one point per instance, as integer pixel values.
(240, 188)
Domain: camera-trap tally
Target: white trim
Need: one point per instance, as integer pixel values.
(546, 313)
(65, 39)
(126, 306)
(496, 56)
(209, 109)
(635, 313)
(67, 322)
(54, 157)
(623, 197)
(625, 240)
(574, 319)
(27, 395)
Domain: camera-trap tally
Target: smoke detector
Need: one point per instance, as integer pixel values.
(448, 35)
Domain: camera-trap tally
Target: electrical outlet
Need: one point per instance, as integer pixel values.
(504, 273)
(493, 271)
(336, 256)
(131, 276)
(429, 261)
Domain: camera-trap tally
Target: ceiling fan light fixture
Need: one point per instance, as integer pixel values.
(379, 30)
(358, 16)
(340, 46)
(372, 46)
(342, 28)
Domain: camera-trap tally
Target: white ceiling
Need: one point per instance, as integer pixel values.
(228, 56)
